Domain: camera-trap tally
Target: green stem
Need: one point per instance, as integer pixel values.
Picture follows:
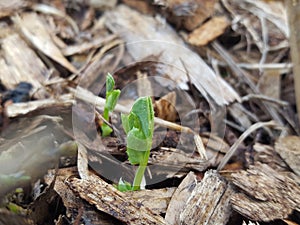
(106, 114)
(140, 173)
(106, 130)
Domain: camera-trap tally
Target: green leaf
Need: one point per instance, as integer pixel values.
(112, 97)
(123, 186)
(110, 83)
(139, 126)
(143, 109)
(106, 130)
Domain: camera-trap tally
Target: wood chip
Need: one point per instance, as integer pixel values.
(289, 149)
(15, 69)
(109, 200)
(24, 108)
(165, 107)
(8, 7)
(180, 198)
(267, 195)
(204, 9)
(209, 202)
(156, 199)
(270, 77)
(35, 30)
(175, 53)
(208, 32)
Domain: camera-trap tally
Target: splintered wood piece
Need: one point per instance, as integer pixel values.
(191, 13)
(289, 150)
(208, 31)
(165, 107)
(170, 49)
(267, 195)
(175, 159)
(209, 202)
(156, 199)
(50, 105)
(9, 7)
(18, 62)
(179, 199)
(35, 30)
(113, 202)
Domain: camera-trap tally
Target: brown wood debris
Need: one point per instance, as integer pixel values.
(108, 199)
(208, 31)
(289, 150)
(209, 203)
(7, 7)
(265, 194)
(15, 69)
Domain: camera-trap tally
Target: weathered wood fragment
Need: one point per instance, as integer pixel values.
(209, 202)
(24, 108)
(289, 149)
(21, 63)
(180, 198)
(108, 199)
(7, 7)
(267, 195)
(36, 31)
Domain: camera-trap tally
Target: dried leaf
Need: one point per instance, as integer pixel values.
(164, 107)
(208, 32)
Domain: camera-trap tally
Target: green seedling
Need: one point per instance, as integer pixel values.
(112, 97)
(138, 126)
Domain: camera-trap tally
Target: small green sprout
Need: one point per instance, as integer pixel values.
(138, 126)
(112, 97)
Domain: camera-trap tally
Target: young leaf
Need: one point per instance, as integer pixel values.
(123, 186)
(112, 97)
(139, 126)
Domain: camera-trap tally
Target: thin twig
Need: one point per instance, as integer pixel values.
(264, 98)
(234, 147)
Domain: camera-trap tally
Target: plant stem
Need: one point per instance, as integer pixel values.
(140, 173)
(106, 114)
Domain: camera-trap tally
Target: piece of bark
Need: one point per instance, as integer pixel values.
(187, 13)
(141, 6)
(87, 46)
(108, 199)
(24, 108)
(9, 7)
(270, 77)
(267, 195)
(37, 33)
(208, 31)
(289, 149)
(73, 204)
(173, 160)
(180, 198)
(209, 202)
(156, 199)
(175, 53)
(266, 154)
(14, 69)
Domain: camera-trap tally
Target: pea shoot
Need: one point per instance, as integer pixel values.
(138, 126)
(112, 97)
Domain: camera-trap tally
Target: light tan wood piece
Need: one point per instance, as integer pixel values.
(209, 202)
